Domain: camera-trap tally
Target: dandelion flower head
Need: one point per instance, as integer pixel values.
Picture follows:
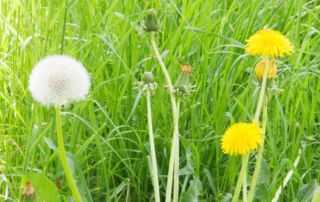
(269, 43)
(241, 139)
(58, 80)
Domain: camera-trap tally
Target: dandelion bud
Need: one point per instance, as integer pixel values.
(261, 66)
(148, 77)
(186, 69)
(147, 82)
(58, 80)
(28, 192)
(150, 23)
(183, 85)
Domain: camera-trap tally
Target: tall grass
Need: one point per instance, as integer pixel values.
(107, 133)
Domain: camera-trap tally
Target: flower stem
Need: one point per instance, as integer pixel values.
(170, 172)
(262, 92)
(241, 178)
(63, 157)
(175, 139)
(154, 169)
(262, 97)
(244, 187)
(162, 65)
(260, 152)
(176, 155)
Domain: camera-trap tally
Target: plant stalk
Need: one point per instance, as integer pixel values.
(244, 188)
(262, 97)
(175, 139)
(176, 155)
(241, 178)
(63, 157)
(154, 169)
(262, 92)
(260, 152)
(162, 65)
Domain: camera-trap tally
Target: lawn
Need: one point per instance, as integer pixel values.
(106, 134)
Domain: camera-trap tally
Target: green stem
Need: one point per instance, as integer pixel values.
(262, 97)
(176, 155)
(63, 157)
(241, 178)
(154, 169)
(162, 65)
(260, 152)
(170, 170)
(175, 139)
(244, 187)
(262, 92)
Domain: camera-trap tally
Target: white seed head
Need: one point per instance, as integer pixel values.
(58, 80)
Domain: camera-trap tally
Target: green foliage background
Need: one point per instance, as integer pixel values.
(107, 132)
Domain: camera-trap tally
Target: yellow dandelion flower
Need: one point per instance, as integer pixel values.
(241, 138)
(260, 68)
(269, 43)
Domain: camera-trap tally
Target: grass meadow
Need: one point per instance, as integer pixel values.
(106, 134)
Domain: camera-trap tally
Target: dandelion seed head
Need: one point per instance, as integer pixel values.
(241, 139)
(59, 80)
(269, 43)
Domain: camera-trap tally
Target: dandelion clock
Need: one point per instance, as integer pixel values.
(55, 81)
(58, 80)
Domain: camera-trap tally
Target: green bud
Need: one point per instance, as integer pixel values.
(148, 77)
(150, 23)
